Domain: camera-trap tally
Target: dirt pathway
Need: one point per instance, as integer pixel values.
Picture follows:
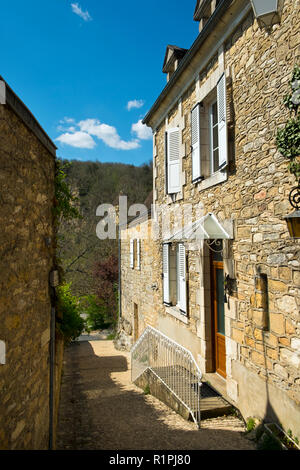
(101, 409)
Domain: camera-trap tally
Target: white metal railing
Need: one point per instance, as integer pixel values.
(172, 364)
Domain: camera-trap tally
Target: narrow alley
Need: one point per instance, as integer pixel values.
(101, 409)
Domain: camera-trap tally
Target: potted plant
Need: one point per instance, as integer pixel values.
(286, 439)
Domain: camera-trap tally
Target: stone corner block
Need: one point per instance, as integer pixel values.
(2, 352)
(2, 92)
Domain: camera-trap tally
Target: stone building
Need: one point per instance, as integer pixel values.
(225, 283)
(27, 170)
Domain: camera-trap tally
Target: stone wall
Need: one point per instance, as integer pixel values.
(27, 253)
(262, 316)
(140, 294)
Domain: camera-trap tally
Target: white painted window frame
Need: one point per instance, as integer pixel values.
(131, 253)
(138, 254)
(211, 138)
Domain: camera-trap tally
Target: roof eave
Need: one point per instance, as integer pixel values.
(208, 28)
(21, 110)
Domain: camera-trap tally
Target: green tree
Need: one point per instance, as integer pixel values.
(96, 312)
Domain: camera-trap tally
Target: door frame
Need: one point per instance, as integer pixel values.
(214, 265)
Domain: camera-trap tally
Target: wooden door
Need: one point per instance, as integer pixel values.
(218, 319)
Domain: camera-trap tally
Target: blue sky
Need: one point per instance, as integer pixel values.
(90, 70)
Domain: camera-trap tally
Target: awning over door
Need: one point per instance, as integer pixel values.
(206, 228)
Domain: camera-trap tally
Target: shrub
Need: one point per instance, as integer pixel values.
(106, 279)
(288, 138)
(96, 311)
(69, 320)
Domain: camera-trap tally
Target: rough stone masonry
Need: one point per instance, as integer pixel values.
(27, 171)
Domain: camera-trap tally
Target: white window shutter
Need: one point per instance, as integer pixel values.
(131, 253)
(222, 121)
(138, 254)
(182, 277)
(173, 161)
(166, 274)
(195, 143)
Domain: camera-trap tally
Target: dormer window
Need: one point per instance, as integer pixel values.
(203, 11)
(173, 56)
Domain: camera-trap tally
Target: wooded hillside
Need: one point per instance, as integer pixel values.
(96, 183)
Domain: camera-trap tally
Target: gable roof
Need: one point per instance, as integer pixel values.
(200, 7)
(190, 54)
(172, 53)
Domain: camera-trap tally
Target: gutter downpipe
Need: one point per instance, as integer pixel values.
(51, 391)
(120, 287)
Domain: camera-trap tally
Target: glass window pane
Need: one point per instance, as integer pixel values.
(220, 301)
(214, 113)
(215, 137)
(216, 159)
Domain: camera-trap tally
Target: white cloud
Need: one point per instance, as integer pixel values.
(135, 104)
(108, 134)
(77, 139)
(78, 11)
(142, 131)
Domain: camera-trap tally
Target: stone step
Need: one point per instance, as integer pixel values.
(212, 404)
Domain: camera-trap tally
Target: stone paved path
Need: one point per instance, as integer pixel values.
(101, 409)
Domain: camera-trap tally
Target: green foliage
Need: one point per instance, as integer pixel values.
(288, 138)
(290, 434)
(291, 100)
(96, 311)
(147, 390)
(250, 424)
(267, 442)
(70, 323)
(96, 183)
(111, 336)
(64, 206)
(68, 319)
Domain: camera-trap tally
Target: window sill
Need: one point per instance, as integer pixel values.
(175, 312)
(217, 178)
(174, 197)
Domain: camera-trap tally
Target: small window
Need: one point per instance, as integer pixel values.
(135, 253)
(209, 147)
(172, 161)
(174, 276)
(214, 137)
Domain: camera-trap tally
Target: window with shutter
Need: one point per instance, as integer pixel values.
(195, 143)
(166, 274)
(210, 160)
(173, 161)
(222, 121)
(214, 137)
(138, 253)
(181, 276)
